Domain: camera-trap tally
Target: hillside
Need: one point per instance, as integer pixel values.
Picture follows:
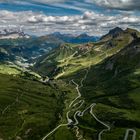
(23, 51)
(105, 73)
(69, 58)
(114, 85)
(31, 110)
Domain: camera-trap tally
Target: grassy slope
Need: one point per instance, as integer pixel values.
(66, 63)
(113, 84)
(6, 69)
(33, 108)
(116, 91)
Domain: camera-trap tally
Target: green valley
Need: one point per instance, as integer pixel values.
(84, 91)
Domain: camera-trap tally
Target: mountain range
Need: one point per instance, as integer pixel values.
(69, 38)
(18, 47)
(62, 86)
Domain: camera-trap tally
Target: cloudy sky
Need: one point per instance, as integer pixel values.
(94, 17)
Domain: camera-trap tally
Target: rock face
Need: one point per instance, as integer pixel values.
(113, 33)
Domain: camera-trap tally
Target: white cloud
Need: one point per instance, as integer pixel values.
(90, 22)
(119, 4)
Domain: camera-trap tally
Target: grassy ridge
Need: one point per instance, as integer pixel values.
(29, 109)
(70, 58)
(112, 82)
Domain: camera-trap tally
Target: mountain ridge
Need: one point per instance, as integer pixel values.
(99, 50)
(84, 87)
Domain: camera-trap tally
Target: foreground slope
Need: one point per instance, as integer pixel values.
(28, 109)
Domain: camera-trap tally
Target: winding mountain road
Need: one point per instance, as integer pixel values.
(78, 112)
(128, 132)
(78, 87)
(104, 124)
(69, 121)
(61, 125)
(79, 137)
(78, 91)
